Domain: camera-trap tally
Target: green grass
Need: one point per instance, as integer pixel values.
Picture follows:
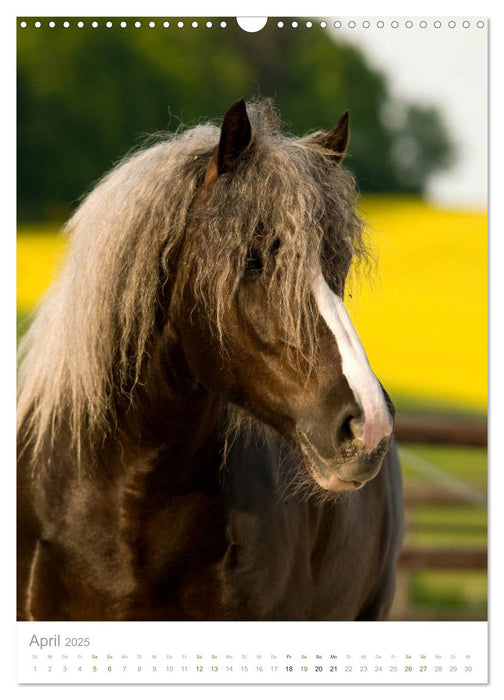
(469, 464)
(447, 526)
(22, 324)
(446, 590)
(434, 406)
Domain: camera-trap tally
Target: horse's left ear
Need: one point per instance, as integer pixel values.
(235, 137)
(337, 139)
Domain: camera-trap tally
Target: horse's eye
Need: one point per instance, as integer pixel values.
(275, 246)
(253, 262)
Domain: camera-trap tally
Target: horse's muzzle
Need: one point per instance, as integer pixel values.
(347, 470)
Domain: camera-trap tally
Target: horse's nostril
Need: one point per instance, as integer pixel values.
(351, 428)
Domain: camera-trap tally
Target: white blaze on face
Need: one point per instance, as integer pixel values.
(358, 373)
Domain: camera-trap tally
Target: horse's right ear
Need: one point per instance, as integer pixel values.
(236, 134)
(336, 140)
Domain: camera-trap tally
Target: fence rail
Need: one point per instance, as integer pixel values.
(444, 430)
(421, 495)
(415, 558)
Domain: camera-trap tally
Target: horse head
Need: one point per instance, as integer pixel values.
(261, 319)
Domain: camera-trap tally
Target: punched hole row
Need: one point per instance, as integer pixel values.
(280, 24)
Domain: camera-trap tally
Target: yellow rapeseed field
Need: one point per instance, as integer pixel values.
(422, 318)
(40, 251)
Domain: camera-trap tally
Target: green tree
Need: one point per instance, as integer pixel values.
(421, 146)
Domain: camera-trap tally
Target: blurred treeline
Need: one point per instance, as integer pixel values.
(86, 96)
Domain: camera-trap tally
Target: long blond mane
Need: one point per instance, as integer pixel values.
(91, 335)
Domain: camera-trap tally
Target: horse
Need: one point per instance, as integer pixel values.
(200, 434)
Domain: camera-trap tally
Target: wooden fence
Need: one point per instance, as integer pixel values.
(413, 558)
(441, 430)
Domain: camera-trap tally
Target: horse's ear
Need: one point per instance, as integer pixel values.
(236, 134)
(337, 139)
(235, 137)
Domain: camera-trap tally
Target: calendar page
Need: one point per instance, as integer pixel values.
(252, 337)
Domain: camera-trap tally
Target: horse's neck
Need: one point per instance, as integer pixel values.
(178, 436)
(172, 419)
(168, 441)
